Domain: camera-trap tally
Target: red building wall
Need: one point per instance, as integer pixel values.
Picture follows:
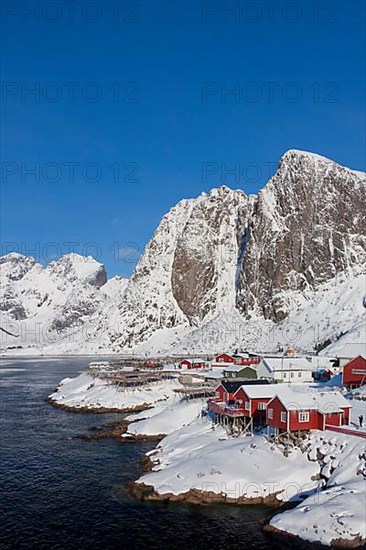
(254, 410)
(293, 423)
(187, 364)
(337, 418)
(314, 423)
(224, 358)
(221, 394)
(240, 394)
(255, 405)
(354, 372)
(247, 360)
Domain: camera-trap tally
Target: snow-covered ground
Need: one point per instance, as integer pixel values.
(86, 391)
(338, 511)
(166, 417)
(201, 456)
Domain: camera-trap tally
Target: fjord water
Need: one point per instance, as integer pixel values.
(61, 492)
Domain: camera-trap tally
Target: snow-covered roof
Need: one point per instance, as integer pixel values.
(276, 364)
(265, 390)
(194, 359)
(319, 362)
(237, 368)
(324, 402)
(221, 364)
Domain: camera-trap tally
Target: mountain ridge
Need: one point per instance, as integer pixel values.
(221, 252)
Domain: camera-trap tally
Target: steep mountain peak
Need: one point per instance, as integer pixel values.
(15, 257)
(14, 266)
(74, 266)
(301, 160)
(224, 191)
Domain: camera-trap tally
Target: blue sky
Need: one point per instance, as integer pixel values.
(133, 111)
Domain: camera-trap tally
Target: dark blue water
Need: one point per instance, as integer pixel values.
(58, 491)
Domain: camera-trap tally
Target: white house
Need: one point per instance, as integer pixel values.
(286, 369)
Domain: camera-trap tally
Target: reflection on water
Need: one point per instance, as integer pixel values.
(58, 491)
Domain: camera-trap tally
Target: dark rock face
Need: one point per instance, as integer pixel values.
(204, 266)
(308, 225)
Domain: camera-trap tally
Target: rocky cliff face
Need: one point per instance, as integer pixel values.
(225, 249)
(308, 226)
(207, 252)
(188, 268)
(223, 254)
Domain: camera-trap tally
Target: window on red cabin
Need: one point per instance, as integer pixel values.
(270, 413)
(262, 405)
(303, 416)
(247, 406)
(283, 417)
(217, 394)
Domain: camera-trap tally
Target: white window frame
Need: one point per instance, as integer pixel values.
(247, 405)
(262, 405)
(283, 416)
(303, 416)
(270, 413)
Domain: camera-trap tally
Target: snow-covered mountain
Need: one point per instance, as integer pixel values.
(42, 305)
(222, 270)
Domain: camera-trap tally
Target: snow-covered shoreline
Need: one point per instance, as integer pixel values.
(326, 474)
(87, 393)
(198, 462)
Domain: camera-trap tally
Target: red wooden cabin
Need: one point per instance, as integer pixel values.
(226, 401)
(225, 391)
(253, 400)
(307, 411)
(192, 364)
(224, 358)
(354, 372)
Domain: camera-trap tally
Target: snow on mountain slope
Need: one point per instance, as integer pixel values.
(221, 270)
(350, 344)
(316, 315)
(43, 305)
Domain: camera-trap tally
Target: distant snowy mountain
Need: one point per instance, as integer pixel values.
(42, 305)
(223, 270)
